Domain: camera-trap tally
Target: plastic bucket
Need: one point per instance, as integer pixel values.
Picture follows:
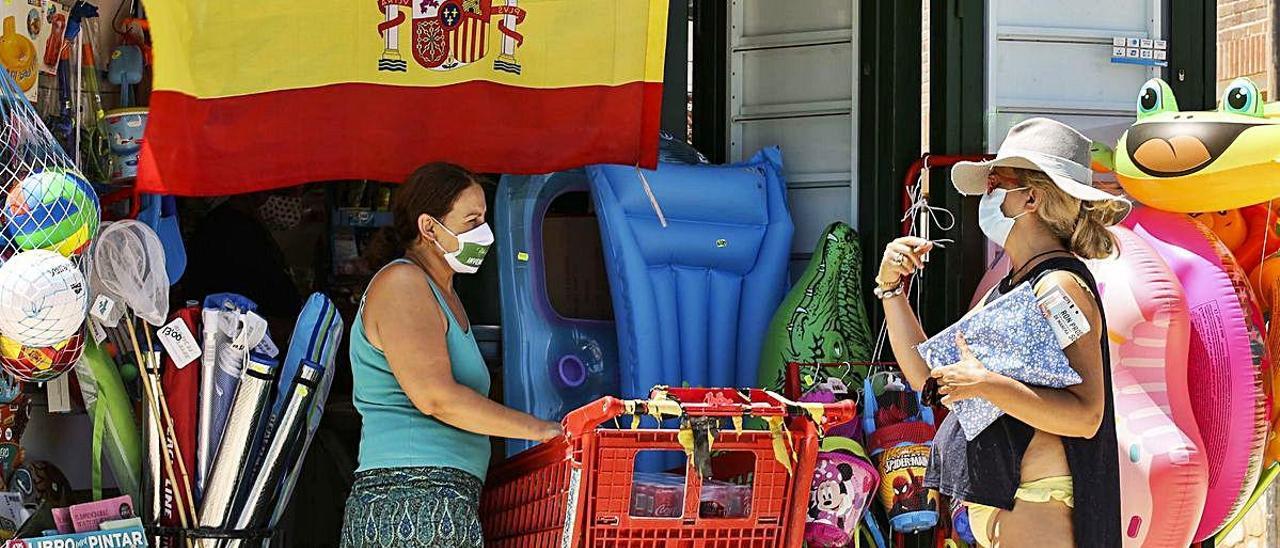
(125, 128)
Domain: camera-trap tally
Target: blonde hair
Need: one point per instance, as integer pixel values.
(1082, 226)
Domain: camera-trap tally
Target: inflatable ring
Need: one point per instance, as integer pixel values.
(1224, 381)
(1164, 475)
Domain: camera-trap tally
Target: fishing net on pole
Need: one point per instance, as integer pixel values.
(128, 265)
(49, 218)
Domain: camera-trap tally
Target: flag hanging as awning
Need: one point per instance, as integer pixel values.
(257, 94)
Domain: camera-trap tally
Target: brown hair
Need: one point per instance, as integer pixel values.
(1082, 226)
(432, 190)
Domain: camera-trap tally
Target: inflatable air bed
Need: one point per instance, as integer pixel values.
(1224, 376)
(553, 364)
(696, 267)
(1164, 474)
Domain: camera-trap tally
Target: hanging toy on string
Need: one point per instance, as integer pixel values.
(130, 59)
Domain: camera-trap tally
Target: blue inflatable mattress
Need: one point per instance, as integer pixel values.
(693, 299)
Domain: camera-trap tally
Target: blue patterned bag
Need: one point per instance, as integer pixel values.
(1010, 336)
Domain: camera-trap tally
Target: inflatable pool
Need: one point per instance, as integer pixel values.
(1224, 381)
(697, 263)
(1163, 473)
(822, 318)
(552, 364)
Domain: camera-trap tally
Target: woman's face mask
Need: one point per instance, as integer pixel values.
(991, 218)
(473, 245)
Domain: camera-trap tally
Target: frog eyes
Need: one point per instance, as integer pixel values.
(1156, 97)
(1242, 97)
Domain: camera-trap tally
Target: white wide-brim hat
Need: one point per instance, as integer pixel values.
(1043, 145)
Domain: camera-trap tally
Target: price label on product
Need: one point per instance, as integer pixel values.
(1069, 323)
(179, 343)
(58, 394)
(95, 329)
(252, 330)
(267, 347)
(105, 309)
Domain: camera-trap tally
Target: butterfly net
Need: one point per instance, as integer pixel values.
(128, 267)
(49, 218)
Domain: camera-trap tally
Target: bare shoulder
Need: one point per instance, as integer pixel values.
(400, 286)
(1073, 286)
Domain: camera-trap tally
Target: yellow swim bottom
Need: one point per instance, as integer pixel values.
(1057, 488)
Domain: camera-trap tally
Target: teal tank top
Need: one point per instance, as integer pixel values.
(396, 434)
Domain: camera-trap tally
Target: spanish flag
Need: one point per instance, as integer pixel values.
(257, 94)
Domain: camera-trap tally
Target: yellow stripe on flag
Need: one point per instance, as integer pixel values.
(229, 48)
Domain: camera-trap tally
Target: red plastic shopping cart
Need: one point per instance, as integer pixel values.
(580, 491)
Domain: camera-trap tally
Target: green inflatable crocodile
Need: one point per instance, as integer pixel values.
(822, 318)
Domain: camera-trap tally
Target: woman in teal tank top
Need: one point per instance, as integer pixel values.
(420, 383)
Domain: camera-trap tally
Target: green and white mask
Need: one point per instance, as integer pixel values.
(473, 245)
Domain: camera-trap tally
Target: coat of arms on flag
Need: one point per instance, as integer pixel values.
(448, 34)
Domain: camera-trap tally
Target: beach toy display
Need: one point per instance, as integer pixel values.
(1166, 160)
(52, 209)
(901, 430)
(552, 363)
(125, 129)
(1164, 473)
(822, 318)
(844, 482)
(45, 298)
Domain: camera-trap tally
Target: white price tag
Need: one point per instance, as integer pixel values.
(228, 322)
(177, 340)
(252, 330)
(95, 329)
(1069, 323)
(267, 347)
(105, 309)
(58, 392)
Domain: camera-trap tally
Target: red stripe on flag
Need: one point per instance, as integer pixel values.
(476, 54)
(231, 145)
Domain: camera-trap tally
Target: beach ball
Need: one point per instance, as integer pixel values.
(43, 298)
(53, 209)
(39, 364)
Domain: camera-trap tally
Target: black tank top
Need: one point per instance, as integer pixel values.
(988, 469)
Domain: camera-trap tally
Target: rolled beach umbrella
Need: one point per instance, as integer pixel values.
(231, 463)
(282, 450)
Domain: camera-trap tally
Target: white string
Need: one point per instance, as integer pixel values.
(662, 219)
(920, 215)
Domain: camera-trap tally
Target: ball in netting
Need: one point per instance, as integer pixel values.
(39, 364)
(53, 209)
(43, 298)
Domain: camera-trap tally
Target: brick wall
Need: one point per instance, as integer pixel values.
(1246, 33)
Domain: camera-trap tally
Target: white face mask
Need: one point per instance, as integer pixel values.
(472, 247)
(991, 218)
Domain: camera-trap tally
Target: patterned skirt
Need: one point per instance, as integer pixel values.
(427, 506)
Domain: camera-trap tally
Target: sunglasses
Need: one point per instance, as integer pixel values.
(995, 179)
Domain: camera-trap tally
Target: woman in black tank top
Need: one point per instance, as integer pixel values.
(1046, 473)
